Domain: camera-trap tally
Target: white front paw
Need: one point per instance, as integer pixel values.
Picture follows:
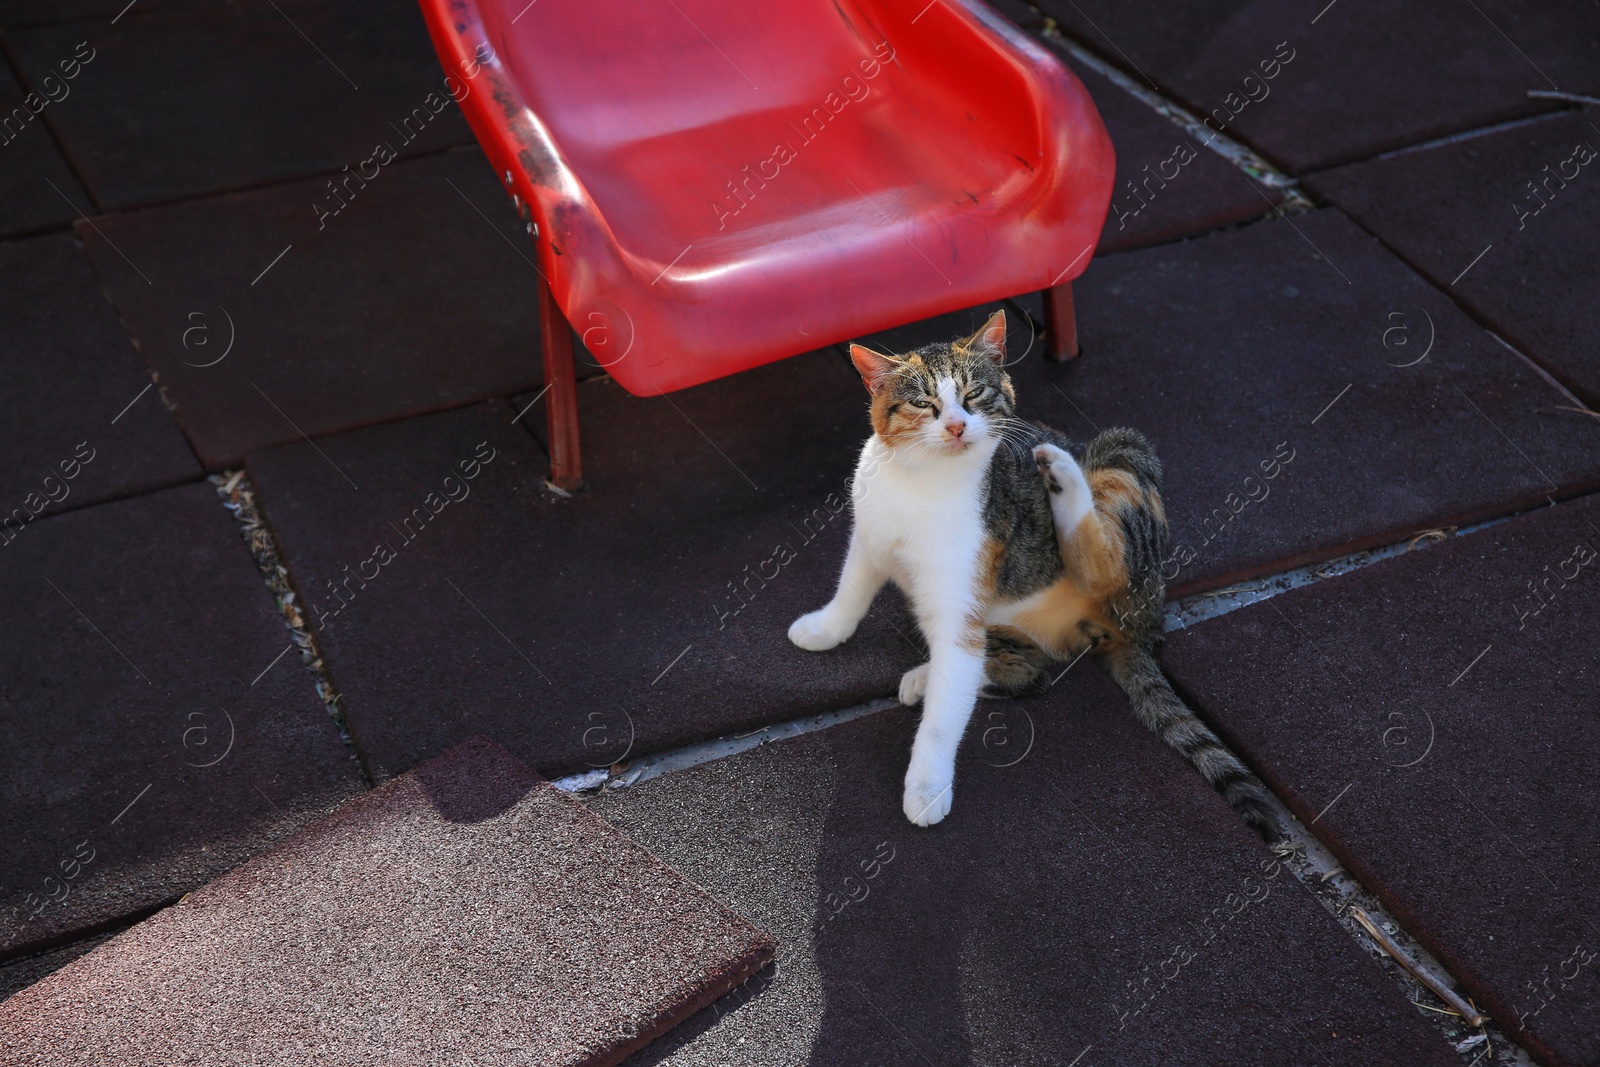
(928, 794)
(819, 631)
(914, 684)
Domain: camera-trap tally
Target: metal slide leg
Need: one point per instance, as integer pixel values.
(561, 399)
(1060, 323)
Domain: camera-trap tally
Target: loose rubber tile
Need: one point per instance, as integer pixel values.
(155, 728)
(1284, 373)
(1312, 84)
(646, 612)
(174, 101)
(1507, 224)
(84, 422)
(1168, 184)
(1433, 715)
(267, 321)
(450, 916)
(37, 189)
(1035, 924)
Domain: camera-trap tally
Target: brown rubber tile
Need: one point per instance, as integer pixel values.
(150, 735)
(647, 612)
(84, 421)
(178, 101)
(1437, 712)
(1273, 383)
(419, 295)
(37, 189)
(1089, 896)
(467, 912)
(1342, 89)
(1505, 222)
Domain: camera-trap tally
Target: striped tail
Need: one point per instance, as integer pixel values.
(1159, 708)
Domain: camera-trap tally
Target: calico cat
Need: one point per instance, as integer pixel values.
(1015, 556)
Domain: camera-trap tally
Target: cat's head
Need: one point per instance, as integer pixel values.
(941, 399)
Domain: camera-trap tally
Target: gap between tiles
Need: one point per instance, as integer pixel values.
(87, 938)
(1453, 138)
(1550, 380)
(1199, 607)
(1233, 151)
(246, 187)
(238, 496)
(1180, 613)
(1340, 892)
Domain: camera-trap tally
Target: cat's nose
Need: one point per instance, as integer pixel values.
(956, 429)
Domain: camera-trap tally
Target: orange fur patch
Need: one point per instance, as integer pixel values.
(1115, 488)
(989, 560)
(1055, 623)
(1094, 555)
(988, 579)
(895, 428)
(1095, 571)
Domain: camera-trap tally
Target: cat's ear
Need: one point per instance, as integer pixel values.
(875, 368)
(992, 336)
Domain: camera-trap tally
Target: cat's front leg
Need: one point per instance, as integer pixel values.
(859, 582)
(954, 676)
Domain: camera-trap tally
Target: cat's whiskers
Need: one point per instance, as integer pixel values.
(1016, 434)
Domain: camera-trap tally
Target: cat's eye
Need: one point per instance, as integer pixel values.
(976, 394)
(922, 402)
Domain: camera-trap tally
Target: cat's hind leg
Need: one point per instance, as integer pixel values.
(1091, 547)
(914, 684)
(1013, 666)
(1071, 500)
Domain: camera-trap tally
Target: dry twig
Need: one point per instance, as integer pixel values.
(1472, 1016)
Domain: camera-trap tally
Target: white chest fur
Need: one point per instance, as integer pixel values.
(922, 520)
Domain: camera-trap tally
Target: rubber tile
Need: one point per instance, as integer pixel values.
(648, 611)
(1284, 372)
(451, 916)
(1437, 712)
(1169, 184)
(1312, 84)
(17, 14)
(156, 728)
(1088, 896)
(178, 101)
(1507, 224)
(37, 189)
(84, 422)
(268, 322)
